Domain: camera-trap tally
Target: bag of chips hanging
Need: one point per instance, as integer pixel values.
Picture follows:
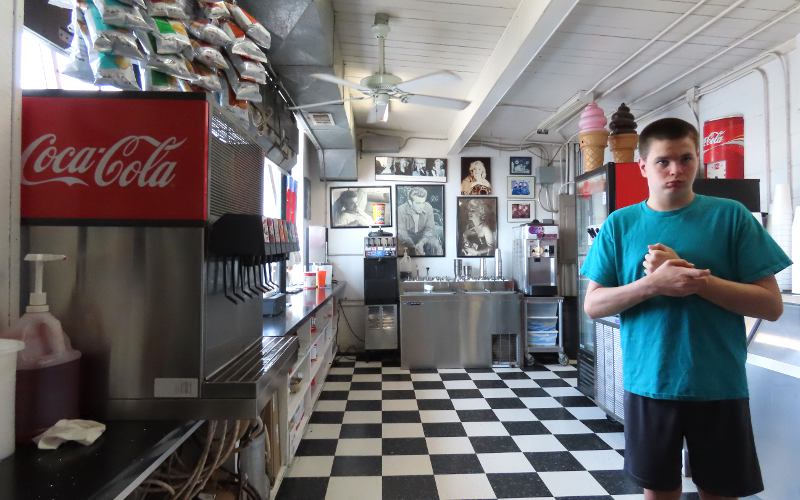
(161, 82)
(171, 37)
(252, 71)
(78, 65)
(113, 70)
(208, 55)
(107, 39)
(243, 90)
(214, 10)
(209, 32)
(241, 45)
(250, 26)
(173, 9)
(171, 64)
(120, 15)
(229, 101)
(206, 77)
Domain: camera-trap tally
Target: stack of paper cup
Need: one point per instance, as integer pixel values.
(8, 372)
(796, 251)
(780, 228)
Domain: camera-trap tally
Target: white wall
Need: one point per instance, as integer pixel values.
(10, 39)
(745, 97)
(346, 246)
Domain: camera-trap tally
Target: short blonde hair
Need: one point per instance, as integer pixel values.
(477, 164)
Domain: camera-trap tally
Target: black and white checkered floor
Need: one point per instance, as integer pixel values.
(383, 432)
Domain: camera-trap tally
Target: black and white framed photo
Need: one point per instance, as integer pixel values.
(521, 187)
(477, 226)
(361, 206)
(520, 210)
(408, 169)
(520, 165)
(476, 176)
(420, 220)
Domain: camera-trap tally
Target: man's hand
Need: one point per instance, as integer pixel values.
(658, 254)
(678, 278)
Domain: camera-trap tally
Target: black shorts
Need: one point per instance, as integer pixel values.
(719, 436)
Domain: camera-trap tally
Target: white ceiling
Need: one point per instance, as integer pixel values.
(593, 38)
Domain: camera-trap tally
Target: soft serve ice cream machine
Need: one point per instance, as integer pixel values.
(535, 259)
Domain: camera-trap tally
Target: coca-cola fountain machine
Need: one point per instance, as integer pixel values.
(156, 199)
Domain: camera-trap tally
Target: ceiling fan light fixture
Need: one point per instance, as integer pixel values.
(566, 111)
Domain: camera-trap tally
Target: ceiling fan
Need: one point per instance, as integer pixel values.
(382, 87)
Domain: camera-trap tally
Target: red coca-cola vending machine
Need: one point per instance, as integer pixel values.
(723, 148)
(156, 199)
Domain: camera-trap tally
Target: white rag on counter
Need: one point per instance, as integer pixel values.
(84, 432)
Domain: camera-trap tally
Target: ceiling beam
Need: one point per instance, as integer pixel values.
(534, 22)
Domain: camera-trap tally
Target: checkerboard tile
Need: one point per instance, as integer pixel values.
(382, 432)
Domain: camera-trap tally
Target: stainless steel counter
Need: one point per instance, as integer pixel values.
(458, 324)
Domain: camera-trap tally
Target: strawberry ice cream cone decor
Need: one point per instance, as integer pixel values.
(593, 136)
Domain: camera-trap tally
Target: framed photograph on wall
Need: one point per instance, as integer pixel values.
(408, 169)
(521, 187)
(420, 220)
(477, 226)
(361, 206)
(476, 176)
(520, 165)
(521, 210)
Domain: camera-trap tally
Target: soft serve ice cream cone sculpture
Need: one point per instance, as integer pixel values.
(623, 139)
(593, 136)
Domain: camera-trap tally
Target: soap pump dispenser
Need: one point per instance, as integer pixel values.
(48, 368)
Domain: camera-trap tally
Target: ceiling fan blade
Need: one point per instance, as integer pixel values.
(326, 103)
(437, 79)
(341, 81)
(439, 102)
(379, 112)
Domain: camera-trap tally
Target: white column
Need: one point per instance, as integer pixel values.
(10, 100)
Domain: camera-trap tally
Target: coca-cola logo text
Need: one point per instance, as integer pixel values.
(714, 138)
(123, 163)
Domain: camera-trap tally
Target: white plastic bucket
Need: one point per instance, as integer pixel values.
(8, 379)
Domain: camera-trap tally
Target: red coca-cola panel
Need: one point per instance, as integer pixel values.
(723, 148)
(114, 158)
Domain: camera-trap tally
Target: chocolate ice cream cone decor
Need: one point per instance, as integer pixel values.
(593, 136)
(623, 139)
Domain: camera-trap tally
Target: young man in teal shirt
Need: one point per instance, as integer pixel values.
(682, 270)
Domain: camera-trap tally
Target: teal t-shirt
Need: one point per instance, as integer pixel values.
(687, 347)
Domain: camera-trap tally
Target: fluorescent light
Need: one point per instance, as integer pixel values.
(566, 111)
